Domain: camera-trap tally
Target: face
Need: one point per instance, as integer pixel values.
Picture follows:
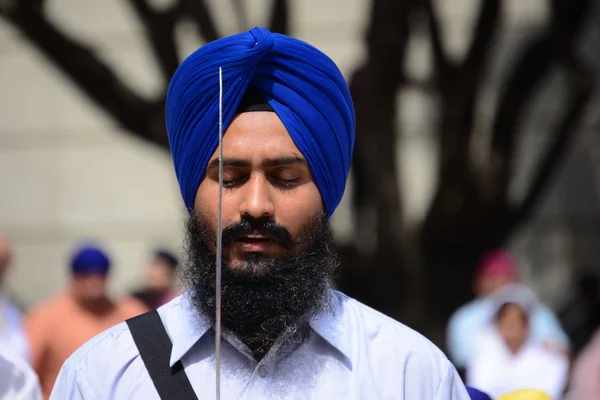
(513, 326)
(158, 276)
(266, 180)
(89, 288)
(277, 241)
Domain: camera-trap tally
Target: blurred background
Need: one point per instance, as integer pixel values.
(477, 129)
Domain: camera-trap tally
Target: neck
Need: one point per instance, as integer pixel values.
(95, 306)
(514, 348)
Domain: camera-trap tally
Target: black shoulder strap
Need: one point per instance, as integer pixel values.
(154, 345)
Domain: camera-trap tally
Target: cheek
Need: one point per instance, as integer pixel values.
(206, 199)
(206, 204)
(293, 210)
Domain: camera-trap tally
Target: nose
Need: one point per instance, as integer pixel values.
(257, 200)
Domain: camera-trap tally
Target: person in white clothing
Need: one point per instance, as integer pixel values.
(13, 339)
(289, 131)
(508, 358)
(18, 381)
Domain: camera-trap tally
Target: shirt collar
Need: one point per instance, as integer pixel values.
(185, 326)
(331, 325)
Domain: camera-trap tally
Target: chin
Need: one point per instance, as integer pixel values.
(252, 265)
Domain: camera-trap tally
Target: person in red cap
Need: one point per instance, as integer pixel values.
(496, 271)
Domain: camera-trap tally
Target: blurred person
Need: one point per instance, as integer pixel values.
(18, 381)
(287, 147)
(508, 358)
(12, 334)
(496, 270)
(160, 279)
(57, 327)
(585, 380)
(527, 394)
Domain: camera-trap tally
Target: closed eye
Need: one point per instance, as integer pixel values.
(285, 183)
(232, 183)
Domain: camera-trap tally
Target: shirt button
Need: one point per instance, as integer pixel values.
(262, 371)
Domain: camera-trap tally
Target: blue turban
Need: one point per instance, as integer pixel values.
(476, 394)
(302, 85)
(90, 260)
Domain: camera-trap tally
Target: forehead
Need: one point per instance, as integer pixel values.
(257, 134)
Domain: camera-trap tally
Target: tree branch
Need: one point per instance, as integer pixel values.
(531, 69)
(484, 35)
(470, 73)
(159, 28)
(374, 87)
(279, 21)
(240, 15)
(459, 87)
(199, 13)
(522, 84)
(580, 94)
(91, 75)
(442, 65)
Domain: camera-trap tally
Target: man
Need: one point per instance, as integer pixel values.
(289, 131)
(12, 335)
(496, 271)
(18, 380)
(59, 326)
(159, 280)
(509, 358)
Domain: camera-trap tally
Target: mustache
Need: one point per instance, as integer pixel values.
(263, 226)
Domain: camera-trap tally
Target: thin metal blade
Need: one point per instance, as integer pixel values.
(219, 245)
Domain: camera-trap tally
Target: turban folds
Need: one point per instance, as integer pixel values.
(90, 260)
(303, 86)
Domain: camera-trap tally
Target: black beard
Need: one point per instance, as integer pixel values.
(263, 297)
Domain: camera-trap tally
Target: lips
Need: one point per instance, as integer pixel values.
(255, 243)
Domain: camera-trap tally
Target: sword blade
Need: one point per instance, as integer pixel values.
(219, 245)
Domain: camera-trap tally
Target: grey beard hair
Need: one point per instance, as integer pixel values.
(259, 308)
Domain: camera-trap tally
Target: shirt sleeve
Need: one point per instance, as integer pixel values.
(452, 387)
(72, 384)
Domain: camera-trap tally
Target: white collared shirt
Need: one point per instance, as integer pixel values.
(13, 340)
(17, 380)
(352, 352)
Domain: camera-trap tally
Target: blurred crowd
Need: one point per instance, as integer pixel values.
(503, 341)
(35, 344)
(506, 340)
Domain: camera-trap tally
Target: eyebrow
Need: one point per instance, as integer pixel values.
(271, 162)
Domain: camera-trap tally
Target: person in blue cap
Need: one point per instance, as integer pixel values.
(289, 125)
(60, 325)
